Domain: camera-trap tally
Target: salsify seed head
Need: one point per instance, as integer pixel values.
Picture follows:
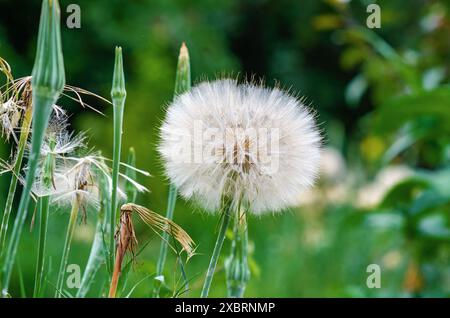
(255, 145)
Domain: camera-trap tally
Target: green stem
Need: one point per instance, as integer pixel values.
(25, 131)
(47, 83)
(41, 118)
(163, 249)
(67, 245)
(182, 85)
(44, 204)
(96, 257)
(217, 249)
(118, 95)
(236, 266)
(98, 250)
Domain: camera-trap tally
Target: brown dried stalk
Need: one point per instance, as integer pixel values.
(126, 237)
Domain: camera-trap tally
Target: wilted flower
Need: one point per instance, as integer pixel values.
(74, 172)
(58, 140)
(255, 145)
(10, 113)
(17, 97)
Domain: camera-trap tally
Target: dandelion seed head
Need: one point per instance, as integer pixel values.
(58, 140)
(77, 180)
(10, 114)
(259, 146)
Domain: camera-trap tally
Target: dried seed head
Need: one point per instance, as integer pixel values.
(10, 114)
(59, 141)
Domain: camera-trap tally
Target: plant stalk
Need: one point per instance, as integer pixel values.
(124, 239)
(236, 266)
(217, 249)
(48, 79)
(67, 245)
(182, 85)
(40, 121)
(118, 95)
(44, 204)
(25, 131)
(98, 253)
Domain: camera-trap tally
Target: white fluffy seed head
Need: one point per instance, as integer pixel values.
(258, 146)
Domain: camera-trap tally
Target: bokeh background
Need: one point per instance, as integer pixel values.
(383, 104)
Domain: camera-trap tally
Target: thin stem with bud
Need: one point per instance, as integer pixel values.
(48, 79)
(182, 85)
(118, 95)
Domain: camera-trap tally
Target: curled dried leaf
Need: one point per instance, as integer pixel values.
(158, 222)
(126, 236)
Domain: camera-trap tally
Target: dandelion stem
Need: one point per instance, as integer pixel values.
(182, 84)
(118, 95)
(25, 131)
(67, 245)
(217, 249)
(44, 204)
(236, 266)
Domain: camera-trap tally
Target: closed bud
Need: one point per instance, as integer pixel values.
(118, 85)
(48, 77)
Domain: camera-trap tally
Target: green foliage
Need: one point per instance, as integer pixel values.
(383, 98)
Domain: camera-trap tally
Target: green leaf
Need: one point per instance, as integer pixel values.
(426, 104)
(355, 90)
(435, 226)
(401, 195)
(428, 200)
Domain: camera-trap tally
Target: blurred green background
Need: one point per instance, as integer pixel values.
(383, 104)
